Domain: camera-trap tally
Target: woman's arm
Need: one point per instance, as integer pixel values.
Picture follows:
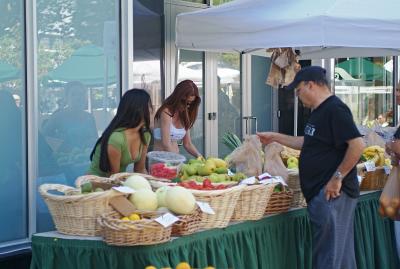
(114, 157)
(165, 125)
(140, 166)
(393, 149)
(188, 145)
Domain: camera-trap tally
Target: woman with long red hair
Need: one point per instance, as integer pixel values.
(175, 117)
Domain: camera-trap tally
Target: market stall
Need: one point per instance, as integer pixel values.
(278, 241)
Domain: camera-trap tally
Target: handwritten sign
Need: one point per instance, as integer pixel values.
(206, 208)
(167, 219)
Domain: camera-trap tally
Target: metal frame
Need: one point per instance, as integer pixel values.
(126, 44)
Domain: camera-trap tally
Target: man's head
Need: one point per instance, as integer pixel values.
(306, 81)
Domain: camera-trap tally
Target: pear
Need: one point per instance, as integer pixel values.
(221, 170)
(210, 164)
(238, 176)
(205, 170)
(191, 169)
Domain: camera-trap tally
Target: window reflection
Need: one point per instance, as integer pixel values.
(13, 179)
(365, 85)
(229, 98)
(78, 56)
(148, 48)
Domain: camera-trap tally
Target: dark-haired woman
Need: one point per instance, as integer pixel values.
(175, 117)
(126, 138)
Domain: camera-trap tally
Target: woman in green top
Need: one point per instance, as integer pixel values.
(126, 138)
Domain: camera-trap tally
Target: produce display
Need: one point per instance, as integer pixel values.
(206, 185)
(375, 154)
(164, 170)
(213, 169)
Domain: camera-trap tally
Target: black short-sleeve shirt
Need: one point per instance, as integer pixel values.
(330, 125)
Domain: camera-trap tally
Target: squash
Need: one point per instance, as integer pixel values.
(180, 200)
(137, 182)
(144, 200)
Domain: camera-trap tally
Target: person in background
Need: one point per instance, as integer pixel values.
(175, 117)
(393, 149)
(382, 120)
(330, 149)
(126, 138)
(72, 125)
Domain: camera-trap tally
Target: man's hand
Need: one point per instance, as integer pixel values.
(332, 189)
(266, 137)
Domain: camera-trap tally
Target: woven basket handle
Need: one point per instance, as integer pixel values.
(87, 178)
(45, 188)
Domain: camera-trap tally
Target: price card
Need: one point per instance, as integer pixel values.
(206, 208)
(230, 173)
(124, 189)
(370, 166)
(248, 181)
(264, 176)
(167, 219)
(273, 180)
(387, 169)
(359, 179)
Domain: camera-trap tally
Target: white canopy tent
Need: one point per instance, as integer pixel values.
(320, 29)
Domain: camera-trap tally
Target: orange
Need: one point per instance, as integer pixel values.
(183, 265)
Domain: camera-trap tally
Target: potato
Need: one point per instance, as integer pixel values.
(381, 211)
(390, 212)
(395, 202)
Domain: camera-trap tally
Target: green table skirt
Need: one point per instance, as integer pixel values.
(280, 241)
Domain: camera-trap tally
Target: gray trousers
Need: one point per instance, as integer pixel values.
(332, 231)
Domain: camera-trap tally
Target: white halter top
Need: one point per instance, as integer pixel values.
(174, 133)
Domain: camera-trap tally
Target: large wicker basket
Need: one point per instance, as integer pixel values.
(279, 202)
(120, 177)
(252, 202)
(223, 202)
(374, 180)
(75, 213)
(294, 184)
(132, 233)
(187, 224)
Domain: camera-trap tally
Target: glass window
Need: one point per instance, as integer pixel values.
(78, 59)
(191, 67)
(365, 85)
(13, 179)
(148, 45)
(229, 98)
(197, 1)
(219, 2)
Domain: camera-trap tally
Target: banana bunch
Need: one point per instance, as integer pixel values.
(374, 154)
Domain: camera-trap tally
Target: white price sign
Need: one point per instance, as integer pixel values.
(370, 166)
(167, 219)
(359, 179)
(248, 181)
(206, 208)
(273, 180)
(124, 189)
(387, 170)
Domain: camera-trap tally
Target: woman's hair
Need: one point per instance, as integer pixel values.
(177, 102)
(133, 109)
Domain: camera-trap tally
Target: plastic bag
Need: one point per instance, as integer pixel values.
(248, 157)
(273, 163)
(390, 197)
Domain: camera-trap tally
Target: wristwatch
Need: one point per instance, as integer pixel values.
(338, 175)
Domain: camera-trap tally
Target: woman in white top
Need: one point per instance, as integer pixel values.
(175, 117)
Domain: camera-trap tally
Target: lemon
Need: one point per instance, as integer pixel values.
(183, 265)
(125, 218)
(134, 217)
(150, 267)
(209, 267)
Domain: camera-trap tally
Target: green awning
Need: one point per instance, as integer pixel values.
(86, 65)
(365, 69)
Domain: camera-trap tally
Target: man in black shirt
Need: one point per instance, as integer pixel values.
(330, 149)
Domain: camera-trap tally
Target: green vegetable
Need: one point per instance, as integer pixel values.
(231, 140)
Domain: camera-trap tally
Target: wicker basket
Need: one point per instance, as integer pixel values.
(187, 224)
(223, 202)
(279, 202)
(91, 178)
(252, 202)
(374, 180)
(132, 233)
(76, 213)
(294, 184)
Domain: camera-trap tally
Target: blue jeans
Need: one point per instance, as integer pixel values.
(333, 231)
